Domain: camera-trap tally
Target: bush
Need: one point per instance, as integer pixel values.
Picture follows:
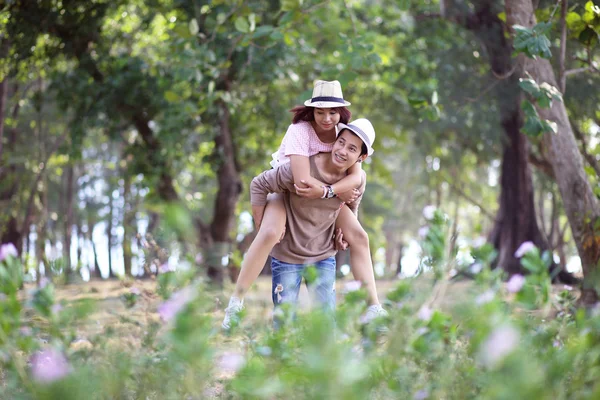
(496, 339)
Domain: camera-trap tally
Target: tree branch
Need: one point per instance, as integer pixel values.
(562, 76)
(542, 164)
(590, 158)
(471, 200)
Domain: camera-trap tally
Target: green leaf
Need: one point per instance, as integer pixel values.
(574, 22)
(588, 36)
(533, 42)
(502, 16)
(530, 86)
(262, 31)
(242, 25)
(171, 96)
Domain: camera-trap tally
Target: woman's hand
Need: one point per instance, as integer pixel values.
(338, 238)
(349, 196)
(311, 191)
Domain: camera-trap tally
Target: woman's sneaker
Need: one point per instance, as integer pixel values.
(232, 313)
(373, 312)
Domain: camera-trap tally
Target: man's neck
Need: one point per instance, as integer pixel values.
(328, 169)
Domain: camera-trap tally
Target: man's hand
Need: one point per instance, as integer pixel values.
(349, 196)
(311, 191)
(340, 243)
(257, 214)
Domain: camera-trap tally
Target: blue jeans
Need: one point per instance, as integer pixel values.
(287, 279)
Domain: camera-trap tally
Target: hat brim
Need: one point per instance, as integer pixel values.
(326, 104)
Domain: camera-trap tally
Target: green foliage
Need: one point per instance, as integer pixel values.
(585, 26)
(533, 42)
(534, 125)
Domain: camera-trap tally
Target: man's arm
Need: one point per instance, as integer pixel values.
(276, 180)
(354, 205)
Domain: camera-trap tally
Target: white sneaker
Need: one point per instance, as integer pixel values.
(232, 312)
(374, 311)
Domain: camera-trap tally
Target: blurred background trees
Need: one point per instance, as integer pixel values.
(126, 118)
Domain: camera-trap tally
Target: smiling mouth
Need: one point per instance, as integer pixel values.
(339, 158)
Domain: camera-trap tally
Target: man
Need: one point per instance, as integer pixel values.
(311, 222)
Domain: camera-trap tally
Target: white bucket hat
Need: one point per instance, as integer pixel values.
(363, 129)
(327, 94)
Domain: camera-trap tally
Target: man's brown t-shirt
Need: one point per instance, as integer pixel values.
(310, 222)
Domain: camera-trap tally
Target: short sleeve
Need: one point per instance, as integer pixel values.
(297, 141)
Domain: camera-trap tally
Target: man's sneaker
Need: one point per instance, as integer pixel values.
(232, 312)
(373, 312)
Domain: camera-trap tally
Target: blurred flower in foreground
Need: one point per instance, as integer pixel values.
(178, 300)
(421, 395)
(352, 286)
(515, 283)
(429, 212)
(500, 343)
(478, 242)
(199, 258)
(425, 313)
(6, 250)
(49, 365)
(524, 248)
(44, 281)
(485, 297)
(56, 308)
(230, 362)
(135, 290)
(423, 231)
(166, 267)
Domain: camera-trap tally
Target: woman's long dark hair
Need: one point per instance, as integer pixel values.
(304, 113)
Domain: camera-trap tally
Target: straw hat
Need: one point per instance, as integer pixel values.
(327, 94)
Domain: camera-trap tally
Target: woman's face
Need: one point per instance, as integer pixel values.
(326, 118)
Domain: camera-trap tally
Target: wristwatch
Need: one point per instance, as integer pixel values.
(330, 192)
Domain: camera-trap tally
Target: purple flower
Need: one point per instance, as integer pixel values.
(480, 241)
(515, 283)
(44, 282)
(425, 313)
(25, 331)
(429, 212)
(135, 290)
(49, 365)
(56, 308)
(423, 231)
(6, 250)
(166, 267)
(352, 286)
(524, 248)
(501, 342)
(178, 300)
(199, 258)
(230, 362)
(421, 395)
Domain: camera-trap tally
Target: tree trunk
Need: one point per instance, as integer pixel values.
(581, 206)
(109, 234)
(128, 220)
(68, 220)
(230, 187)
(400, 255)
(516, 220)
(40, 243)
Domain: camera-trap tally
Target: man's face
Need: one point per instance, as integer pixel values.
(346, 150)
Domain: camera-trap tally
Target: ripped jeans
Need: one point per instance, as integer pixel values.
(287, 279)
